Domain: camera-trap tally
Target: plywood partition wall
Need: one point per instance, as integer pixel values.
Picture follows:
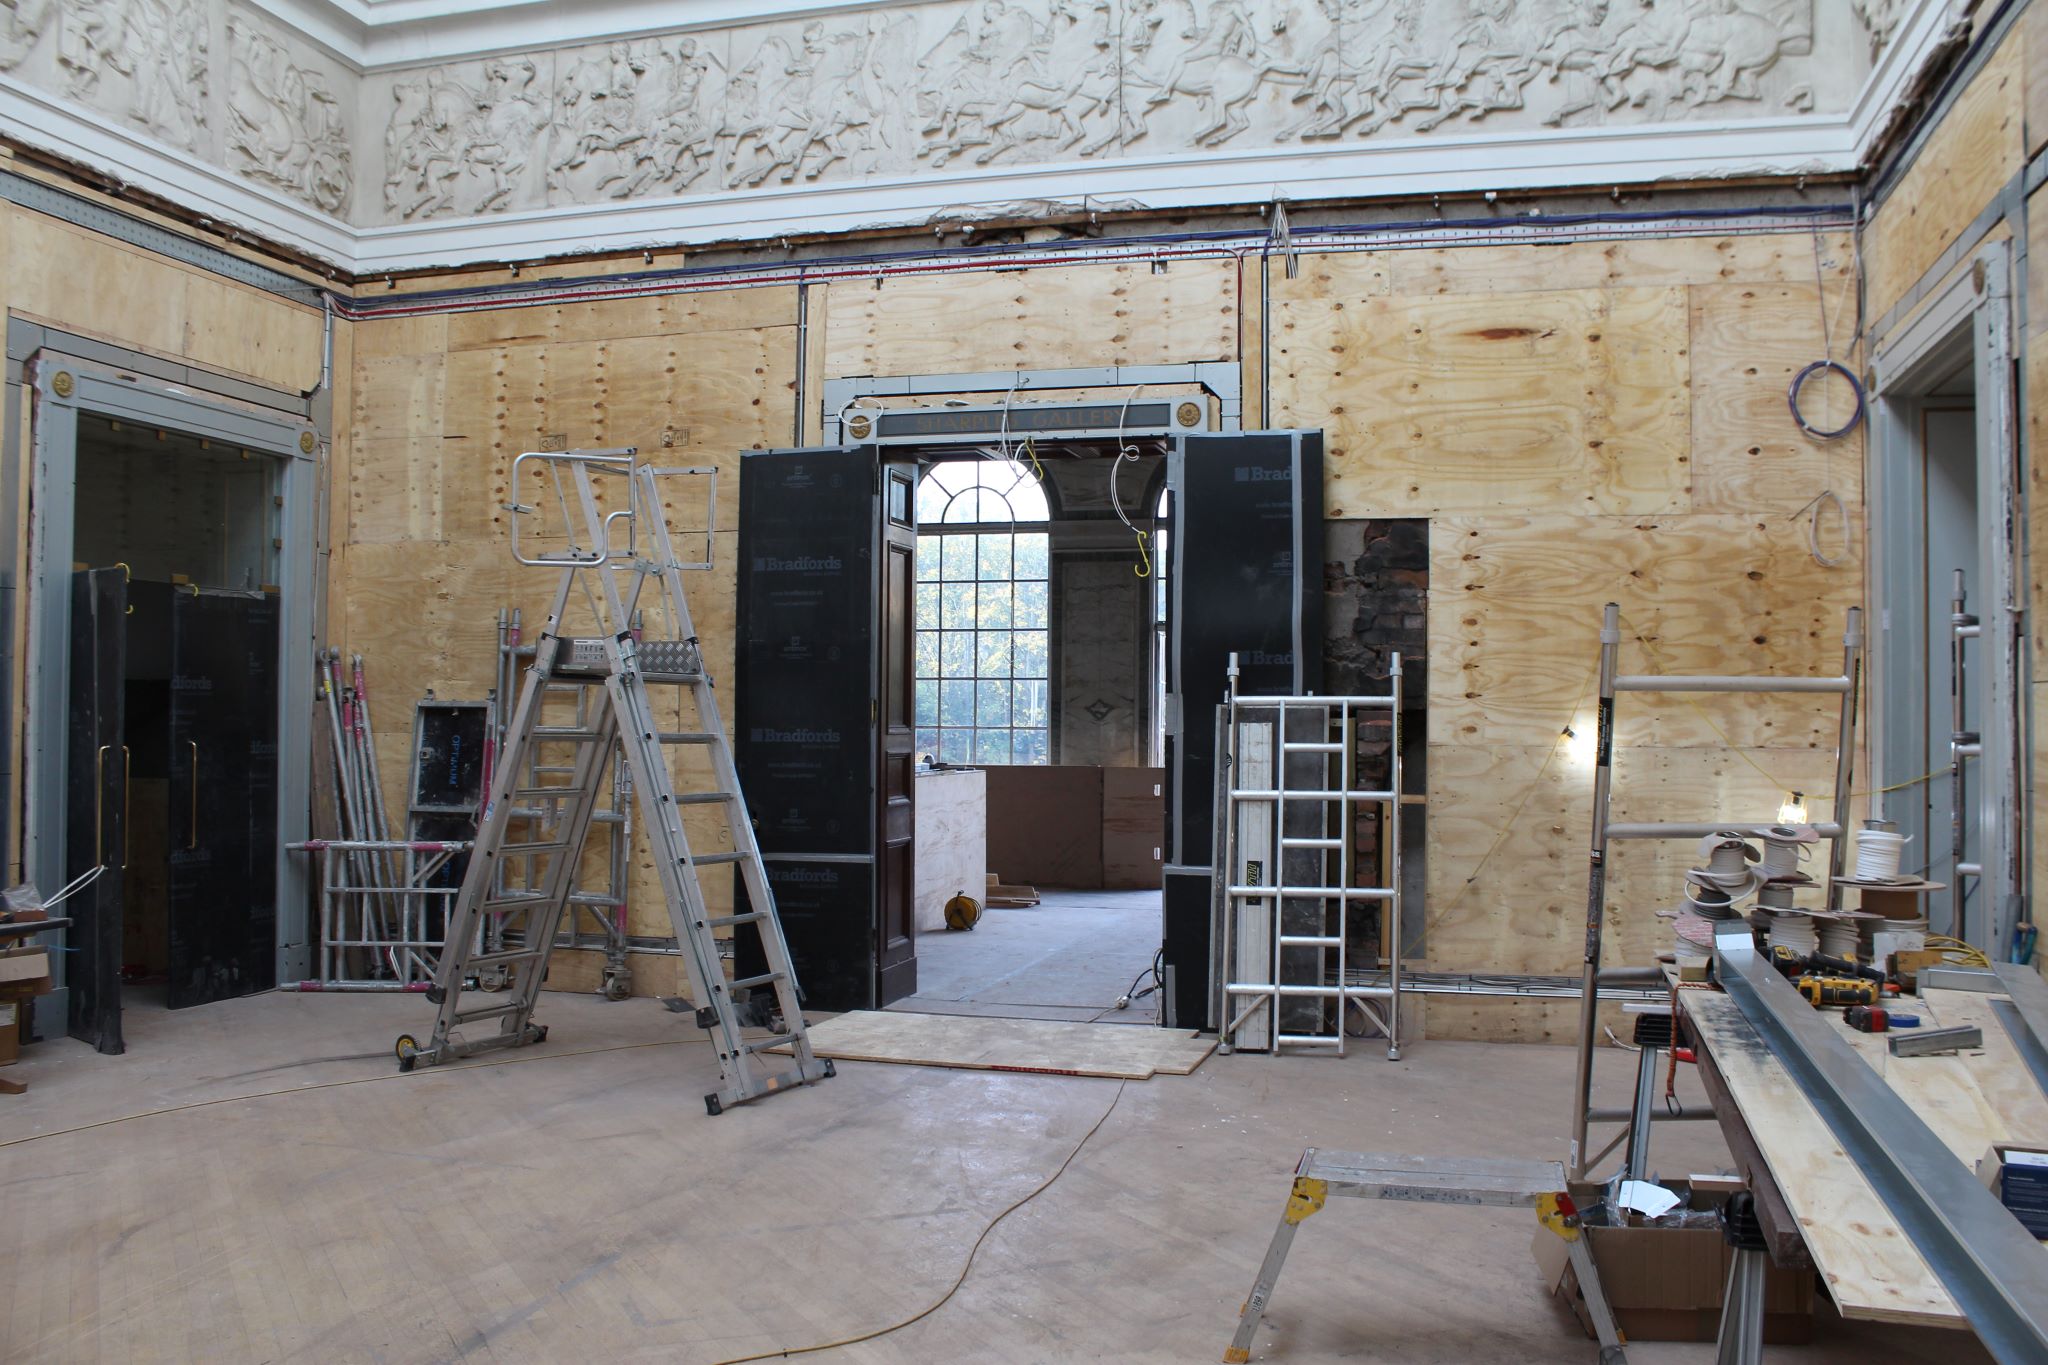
(1583, 423)
(441, 406)
(1577, 422)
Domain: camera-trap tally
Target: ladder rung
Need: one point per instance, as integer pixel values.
(1329, 893)
(514, 902)
(688, 737)
(702, 798)
(1676, 682)
(510, 955)
(1268, 988)
(1310, 941)
(1293, 746)
(1270, 794)
(547, 846)
(787, 1040)
(748, 982)
(714, 859)
(1290, 842)
(1310, 1040)
(542, 793)
(564, 732)
(728, 921)
(487, 1012)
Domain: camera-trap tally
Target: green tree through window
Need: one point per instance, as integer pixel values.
(983, 614)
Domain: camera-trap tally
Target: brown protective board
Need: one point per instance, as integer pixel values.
(1045, 826)
(1133, 828)
(973, 1043)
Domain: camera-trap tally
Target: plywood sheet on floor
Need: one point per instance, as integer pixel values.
(1037, 1045)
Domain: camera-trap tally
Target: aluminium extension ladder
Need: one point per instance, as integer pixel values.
(1291, 803)
(1848, 684)
(1430, 1180)
(613, 671)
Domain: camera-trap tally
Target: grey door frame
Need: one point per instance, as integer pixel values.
(61, 387)
(1970, 320)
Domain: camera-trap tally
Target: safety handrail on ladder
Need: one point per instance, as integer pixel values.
(1848, 685)
(1279, 945)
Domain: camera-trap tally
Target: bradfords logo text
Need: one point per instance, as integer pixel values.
(803, 564)
(803, 876)
(764, 735)
(1263, 658)
(1256, 475)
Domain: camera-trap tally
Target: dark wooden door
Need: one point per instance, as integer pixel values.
(895, 742)
(223, 795)
(96, 817)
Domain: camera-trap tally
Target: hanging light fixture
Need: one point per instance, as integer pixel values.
(1793, 811)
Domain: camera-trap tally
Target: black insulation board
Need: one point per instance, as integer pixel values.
(1248, 507)
(448, 768)
(803, 712)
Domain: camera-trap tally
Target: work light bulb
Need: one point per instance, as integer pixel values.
(1793, 812)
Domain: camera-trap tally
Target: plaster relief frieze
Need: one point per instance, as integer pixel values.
(891, 92)
(142, 61)
(22, 26)
(287, 126)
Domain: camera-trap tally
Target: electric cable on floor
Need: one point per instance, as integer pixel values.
(965, 1268)
(330, 1085)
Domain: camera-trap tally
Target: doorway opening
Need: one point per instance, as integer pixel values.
(172, 779)
(1037, 612)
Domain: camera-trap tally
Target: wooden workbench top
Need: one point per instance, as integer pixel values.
(1971, 1100)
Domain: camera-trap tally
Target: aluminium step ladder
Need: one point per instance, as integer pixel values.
(1848, 685)
(1292, 797)
(1430, 1180)
(503, 927)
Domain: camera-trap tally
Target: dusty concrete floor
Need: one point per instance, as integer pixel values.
(308, 1204)
(1068, 957)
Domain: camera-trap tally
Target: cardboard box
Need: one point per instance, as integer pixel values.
(2017, 1172)
(25, 971)
(1666, 1283)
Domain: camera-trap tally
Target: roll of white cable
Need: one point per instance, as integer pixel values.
(1838, 937)
(1794, 931)
(1783, 856)
(1877, 854)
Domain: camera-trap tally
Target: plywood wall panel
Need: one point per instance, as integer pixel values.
(1515, 608)
(1659, 262)
(1462, 403)
(607, 319)
(1749, 341)
(394, 482)
(1978, 146)
(402, 336)
(89, 284)
(1037, 319)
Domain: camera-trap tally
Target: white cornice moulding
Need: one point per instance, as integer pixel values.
(1415, 166)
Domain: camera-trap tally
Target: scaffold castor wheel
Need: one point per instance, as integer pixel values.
(540, 1033)
(830, 1070)
(618, 983)
(712, 1106)
(407, 1051)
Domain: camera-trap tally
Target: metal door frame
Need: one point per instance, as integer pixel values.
(61, 387)
(1971, 317)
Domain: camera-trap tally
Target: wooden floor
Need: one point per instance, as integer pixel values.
(300, 1202)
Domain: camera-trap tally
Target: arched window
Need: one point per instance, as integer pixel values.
(983, 614)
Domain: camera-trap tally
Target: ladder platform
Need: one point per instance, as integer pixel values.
(1432, 1179)
(1465, 1181)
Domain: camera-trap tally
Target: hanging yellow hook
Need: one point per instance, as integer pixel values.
(1144, 569)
